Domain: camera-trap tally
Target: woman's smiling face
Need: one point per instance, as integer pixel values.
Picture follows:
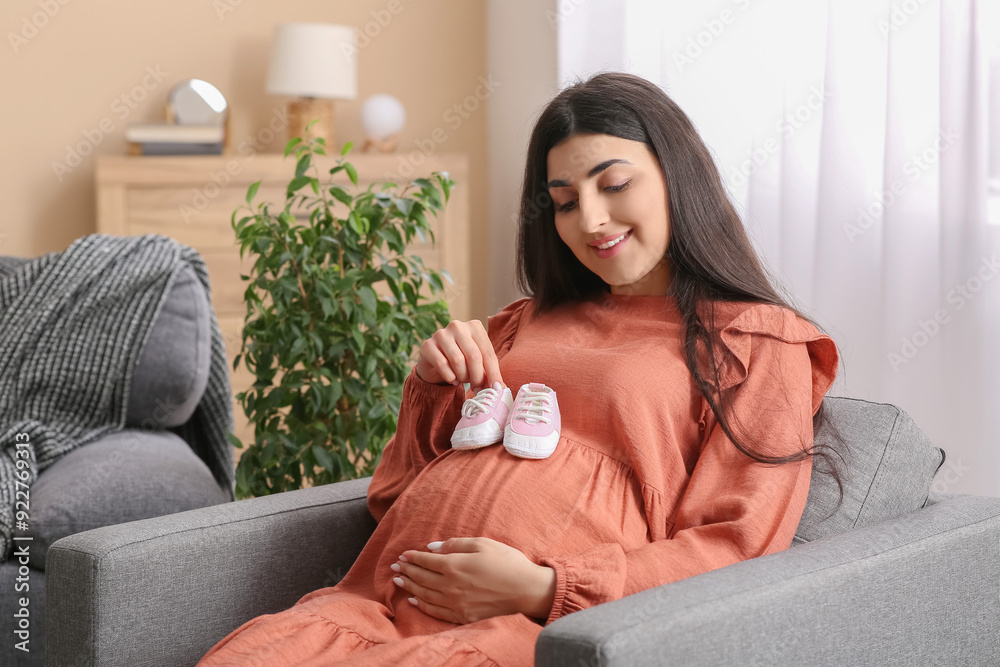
(603, 187)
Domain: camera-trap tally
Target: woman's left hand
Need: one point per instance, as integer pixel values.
(469, 579)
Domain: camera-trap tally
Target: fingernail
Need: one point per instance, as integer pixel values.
(403, 558)
(434, 546)
(395, 567)
(412, 601)
(398, 581)
(497, 386)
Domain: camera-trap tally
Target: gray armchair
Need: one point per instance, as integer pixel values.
(895, 576)
(147, 469)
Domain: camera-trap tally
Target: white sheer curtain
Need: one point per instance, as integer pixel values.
(855, 139)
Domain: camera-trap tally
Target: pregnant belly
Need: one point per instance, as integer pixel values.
(574, 499)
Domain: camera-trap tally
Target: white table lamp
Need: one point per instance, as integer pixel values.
(309, 61)
(382, 117)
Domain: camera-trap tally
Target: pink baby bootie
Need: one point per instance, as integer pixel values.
(533, 429)
(483, 418)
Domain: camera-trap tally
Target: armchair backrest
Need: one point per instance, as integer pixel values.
(886, 466)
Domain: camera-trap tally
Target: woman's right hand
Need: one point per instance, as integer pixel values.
(460, 352)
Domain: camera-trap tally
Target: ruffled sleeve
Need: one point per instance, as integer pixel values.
(767, 320)
(732, 508)
(428, 414)
(503, 326)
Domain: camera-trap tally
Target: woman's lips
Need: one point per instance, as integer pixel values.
(615, 249)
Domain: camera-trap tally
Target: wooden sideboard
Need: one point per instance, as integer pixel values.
(192, 198)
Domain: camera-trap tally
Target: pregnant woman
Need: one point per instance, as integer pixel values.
(688, 391)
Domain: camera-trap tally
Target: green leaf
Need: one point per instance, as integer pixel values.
(292, 143)
(351, 173)
(368, 298)
(444, 272)
(347, 148)
(302, 165)
(252, 191)
(359, 339)
(389, 270)
(445, 180)
(323, 457)
(296, 184)
(354, 223)
(341, 195)
(411, 296)
(405, 206)
(311, 123)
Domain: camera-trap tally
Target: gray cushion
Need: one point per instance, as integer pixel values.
(121, 477)
(887, 469)
(172, 372)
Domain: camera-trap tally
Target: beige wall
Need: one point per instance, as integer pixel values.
(66, 80)
(521, 54)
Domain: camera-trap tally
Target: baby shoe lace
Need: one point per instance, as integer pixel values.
(534, 406)
(472, 407)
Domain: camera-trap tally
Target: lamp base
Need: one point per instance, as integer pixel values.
(305, 109)
(387, 145)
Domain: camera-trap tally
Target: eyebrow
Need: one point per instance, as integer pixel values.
(558, 183)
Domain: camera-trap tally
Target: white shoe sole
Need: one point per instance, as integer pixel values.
(473, 437)
(530, 447)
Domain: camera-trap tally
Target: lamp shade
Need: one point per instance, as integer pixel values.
(311, 60)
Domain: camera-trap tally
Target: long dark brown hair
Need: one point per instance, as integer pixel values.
(709, 254)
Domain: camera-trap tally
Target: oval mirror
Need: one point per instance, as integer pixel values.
(197, 102)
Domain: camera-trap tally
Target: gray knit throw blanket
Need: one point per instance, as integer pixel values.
(72, 326)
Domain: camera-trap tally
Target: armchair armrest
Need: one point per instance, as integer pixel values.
(163, 591)
(920, 589)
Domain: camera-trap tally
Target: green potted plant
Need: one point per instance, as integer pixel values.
(329, 355)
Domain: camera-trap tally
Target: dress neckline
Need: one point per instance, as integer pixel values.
(638, 303)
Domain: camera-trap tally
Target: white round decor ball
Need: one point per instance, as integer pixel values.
(382, 116)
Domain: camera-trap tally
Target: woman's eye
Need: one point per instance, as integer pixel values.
(611, 188)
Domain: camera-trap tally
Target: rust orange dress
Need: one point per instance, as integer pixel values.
(643, 488)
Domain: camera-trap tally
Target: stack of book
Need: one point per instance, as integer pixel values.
(167, 139)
